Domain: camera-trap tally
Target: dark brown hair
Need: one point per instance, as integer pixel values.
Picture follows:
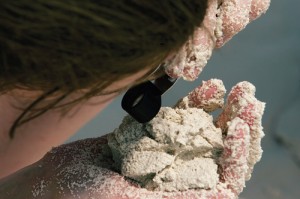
(62, 46)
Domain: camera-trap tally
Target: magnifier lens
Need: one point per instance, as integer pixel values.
(138, 99)
(142, 102)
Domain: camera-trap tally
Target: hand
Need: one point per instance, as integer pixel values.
(83, 169)
(224, 19)
(240, 121)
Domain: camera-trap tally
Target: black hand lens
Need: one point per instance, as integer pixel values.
(143, 101)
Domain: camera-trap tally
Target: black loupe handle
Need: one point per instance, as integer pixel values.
(142, 102)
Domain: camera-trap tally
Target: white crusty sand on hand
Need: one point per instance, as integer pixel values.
(224, 19)
(190, 60)
(175, 151)
(209, 96)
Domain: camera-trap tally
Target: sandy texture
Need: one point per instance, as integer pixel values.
(175, 151)
(182, 149)
(190, 60)
(224, 19)
(209, 96)
(165, 155)
(242, 103)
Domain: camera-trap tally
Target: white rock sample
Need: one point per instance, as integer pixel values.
(177, 150)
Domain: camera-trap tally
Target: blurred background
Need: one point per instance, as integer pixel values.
(267, 54)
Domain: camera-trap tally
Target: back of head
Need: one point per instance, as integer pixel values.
(65, 46)
(76, 44)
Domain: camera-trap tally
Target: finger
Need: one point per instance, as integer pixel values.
(233, 162)
(258, 7)
(190, 60)
(242, 103)
(242, 92)
(209, 96)
(234, 15)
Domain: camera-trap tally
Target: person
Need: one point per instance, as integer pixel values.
(63, 62)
